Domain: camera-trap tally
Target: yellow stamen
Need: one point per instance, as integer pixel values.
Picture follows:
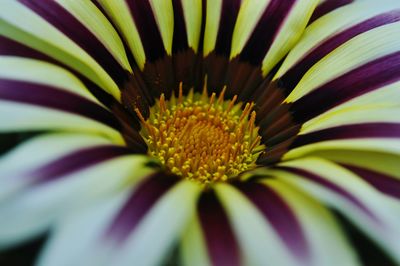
(222, 95)
(202, 138)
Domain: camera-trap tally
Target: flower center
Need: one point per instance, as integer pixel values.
(202, 138)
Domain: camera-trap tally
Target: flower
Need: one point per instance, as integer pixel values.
(223, 131)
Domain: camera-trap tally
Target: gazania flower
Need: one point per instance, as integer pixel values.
(215, 132)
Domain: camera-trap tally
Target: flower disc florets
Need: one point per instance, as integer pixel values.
(202, 138)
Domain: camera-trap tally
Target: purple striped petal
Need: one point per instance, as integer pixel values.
(13, 48)
(216, 64)
(292, 77)
(281, 217)
(158, 70)
(334, 188)
(367, 130)
(265, 31)
(186, 62)
(127, 123)
(52, 97)
(142, 199)
(221, 242)
(328, 6)
(385, 183)
(147, 27)
(229, 12)
(65, 22)
(77, 161)
(272, 154)
(180, 42)
(369, 77)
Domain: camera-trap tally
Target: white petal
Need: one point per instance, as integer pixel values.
(21, 24)
(31, 212)
(161, 227)
(36, 152)
(375, 213)
(193, 246)
(76, 239)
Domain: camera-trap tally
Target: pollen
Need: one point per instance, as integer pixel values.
(201, 137)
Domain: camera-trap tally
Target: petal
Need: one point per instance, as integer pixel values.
(351, 131)
(9, 47)
(377, 73)
(37, 71)
(312, 215)
(372, 211)
(37, 152)
(383, 174)
(139, 204)
(87, 247)
(52, 96)
(219, 25)
(377, 105)
(193, 248)
(262, 234)
(244, 40)
(155, 235)
(94, 35)
(119, 13)
(386, 145)
(140, 24)
(21, 23)
(150, 239)
(257, 32)
(192, 14)
(164, 15)
(383, 162)
(265, 31)
(379, 136)
(257, 239)
(98, 25)
(364, 114)
(371, 54)
(281, 217)
(386, 183)
(13, 48)
(326, 6)
(249, 15)
(62, 184)
(330, 32)
(220, 240)
(15, 115)
(289, 33)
